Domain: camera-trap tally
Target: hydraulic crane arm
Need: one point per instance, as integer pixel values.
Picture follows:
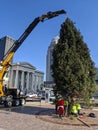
(8, 56)
(29, 29)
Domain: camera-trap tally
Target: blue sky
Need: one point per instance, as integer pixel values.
(16, 15)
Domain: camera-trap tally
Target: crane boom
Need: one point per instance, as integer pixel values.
(8, 56)
(29, 29)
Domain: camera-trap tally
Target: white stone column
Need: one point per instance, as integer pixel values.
(22, 80)
(38, 82)
(16, 79)
(32, 81)
(10, 79)
(27, 81)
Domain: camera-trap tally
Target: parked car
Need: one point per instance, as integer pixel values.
(42, 94)
(52, 98)
(32, 97)
(31, 94)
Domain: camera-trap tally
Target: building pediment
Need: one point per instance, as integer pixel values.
(24, 64)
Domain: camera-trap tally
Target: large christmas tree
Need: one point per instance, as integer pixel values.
(73, 68)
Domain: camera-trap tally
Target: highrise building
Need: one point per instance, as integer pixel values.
(49, 79)
(5, 44)
(49, 59)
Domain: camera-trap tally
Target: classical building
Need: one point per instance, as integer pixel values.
(24, 77)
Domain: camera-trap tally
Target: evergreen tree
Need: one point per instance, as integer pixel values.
(73, 69)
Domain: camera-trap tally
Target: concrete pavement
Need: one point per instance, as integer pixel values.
(36, 116)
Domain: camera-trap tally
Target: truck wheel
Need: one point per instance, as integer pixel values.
(8, 104)
(23, 101)
(17, 102)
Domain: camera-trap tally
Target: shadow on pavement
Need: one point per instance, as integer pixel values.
(31, 110)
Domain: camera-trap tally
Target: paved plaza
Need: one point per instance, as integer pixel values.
(36, 116)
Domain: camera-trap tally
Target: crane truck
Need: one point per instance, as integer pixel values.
(9, 96)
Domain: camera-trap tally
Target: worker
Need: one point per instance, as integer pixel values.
(74, 110)
(59, 102)
(60, 107)
(5, 89)
(66, 107)
(78, 107)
